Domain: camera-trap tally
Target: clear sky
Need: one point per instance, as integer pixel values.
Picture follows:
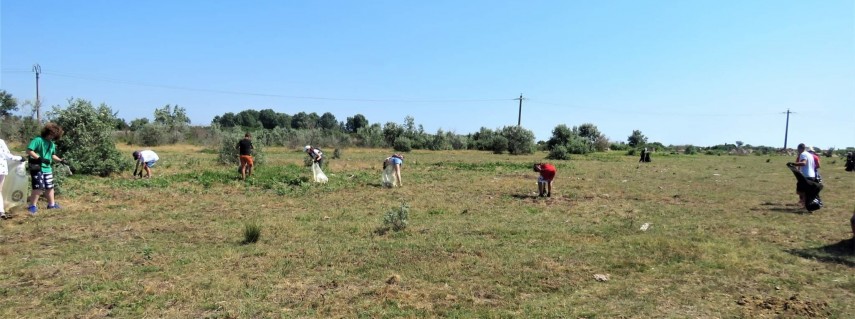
(683, 72)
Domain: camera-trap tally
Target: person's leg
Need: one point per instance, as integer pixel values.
(49, 197)
(398, 175)
(852, 223)
(540, 186)
(548, 188)
(147, 171)
(2, 201)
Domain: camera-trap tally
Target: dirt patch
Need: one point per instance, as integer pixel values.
(776, 307)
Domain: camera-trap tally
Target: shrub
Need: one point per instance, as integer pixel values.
(336, 154)
(520, 140)
(579, 145)
(88, 142)
(559, 153)
(397, 219)
(152, 135)
(499, 144)
(630, 152)
(690, 150)
(403, 144)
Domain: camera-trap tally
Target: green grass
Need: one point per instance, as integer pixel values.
(478, 242)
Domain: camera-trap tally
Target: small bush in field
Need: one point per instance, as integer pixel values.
(559, 153)
(395, 219)
(403, 144)
(336, 154)
(251, 233)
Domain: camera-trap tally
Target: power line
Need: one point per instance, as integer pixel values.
(625, 111)
(119, 81)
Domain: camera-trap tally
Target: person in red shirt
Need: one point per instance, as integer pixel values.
(544, 181)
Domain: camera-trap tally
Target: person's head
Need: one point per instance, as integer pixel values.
(52, 131)
(247, 135)
(537, 167)
(136, 155)
(810, 149)
(801, 147)
(398, 155)
(308, 148)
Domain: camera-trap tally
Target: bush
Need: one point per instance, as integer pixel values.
(403, 144)
(88, 142)
(690, 150)
(499, 144)
(152, 135)
(630, 152)
(397, 219)
(559, 153)
(579, 145)
(520, 140)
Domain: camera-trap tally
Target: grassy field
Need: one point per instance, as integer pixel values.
(725, 240)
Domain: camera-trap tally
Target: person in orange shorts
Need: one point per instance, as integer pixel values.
(245, 148)
(544, 181)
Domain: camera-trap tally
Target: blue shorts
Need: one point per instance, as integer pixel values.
(150, 163)
(42, 181)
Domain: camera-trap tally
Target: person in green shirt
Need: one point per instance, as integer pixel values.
(41, 152)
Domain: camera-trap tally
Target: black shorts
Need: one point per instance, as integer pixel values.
(42, 180)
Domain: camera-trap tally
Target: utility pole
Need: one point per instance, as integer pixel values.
(787, 128)
(519, 117)
(38, 70)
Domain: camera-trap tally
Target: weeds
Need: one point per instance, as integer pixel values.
(251, 233)
(395, 219)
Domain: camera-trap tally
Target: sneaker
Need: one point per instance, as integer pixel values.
(54, 206)
(3, 216)
(32, 209)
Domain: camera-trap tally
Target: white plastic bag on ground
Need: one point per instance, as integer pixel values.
(320, 177)
(16, 184)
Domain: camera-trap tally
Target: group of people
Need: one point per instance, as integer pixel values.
(808, 180)
(41, 154)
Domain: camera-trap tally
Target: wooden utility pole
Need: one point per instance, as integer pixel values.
(38, 70)
(519, 117)
(787, 127)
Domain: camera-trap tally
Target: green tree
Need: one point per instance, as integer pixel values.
(355, 123)
(327, 121)
(561, 135)
(636, 139)
(7, 103)
(589, 132)
(88, 143)
(248, 119)
(268, 118)
(520, 140)
(171, 116)
(137, 124)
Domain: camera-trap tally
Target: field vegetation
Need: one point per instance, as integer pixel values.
(465, 237)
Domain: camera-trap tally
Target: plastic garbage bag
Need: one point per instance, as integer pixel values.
(388, 177)
(16, 184)
(320, 177)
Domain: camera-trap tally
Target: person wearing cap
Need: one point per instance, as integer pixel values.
(544, 181)
(815, 163)
(146, 159)
(315, 154)
(394, 164)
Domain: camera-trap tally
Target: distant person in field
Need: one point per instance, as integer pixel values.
(315, 154)
(42, 153)
(145, 160)
(245, 150)
(392, 166)
(544, 181)
(806, 166)
(643, 152)
(5, 154)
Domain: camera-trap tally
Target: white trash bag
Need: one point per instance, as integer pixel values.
(16, 184)
(320, 177)
(388, 177)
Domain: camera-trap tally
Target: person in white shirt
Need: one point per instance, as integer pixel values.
(147, 159)
(5, 154)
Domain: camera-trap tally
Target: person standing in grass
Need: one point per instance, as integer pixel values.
(806, 166)
(147, 159)
(5, 154)
(245, 150)
(544, 181)
(41, 152)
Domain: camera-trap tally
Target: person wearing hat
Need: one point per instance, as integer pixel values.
(146, 159)
(815, 163)
(315, 154)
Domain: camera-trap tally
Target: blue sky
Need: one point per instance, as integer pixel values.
(682, 72)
